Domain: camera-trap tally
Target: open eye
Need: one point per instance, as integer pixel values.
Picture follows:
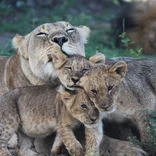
(70, 30)
(84, 70)
(83, 106)
(41, 34)
(110, 88)
(94, 91)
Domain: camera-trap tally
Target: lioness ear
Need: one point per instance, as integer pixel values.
(119, 68)
(21, 43)
(17, 40)
(97, 58)
(84, 33)
(65, 94)
(58, 58)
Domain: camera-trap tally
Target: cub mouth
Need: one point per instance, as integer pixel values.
(73, 86)
(91, 125)
(110, 109)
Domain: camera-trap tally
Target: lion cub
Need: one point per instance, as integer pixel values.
(132, 94)
(36, 111)
(79, 65)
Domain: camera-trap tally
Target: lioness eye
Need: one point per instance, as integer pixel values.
(94, 91)
(110, 88)
(70, 30)
(83, 106)
(84, 70)
(41, 34)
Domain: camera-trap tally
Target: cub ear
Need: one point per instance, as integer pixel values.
(58, 57)
(21, 43)
(83, 81)
(97, 58)
(119, 68)
(66, 95)
(84, 33)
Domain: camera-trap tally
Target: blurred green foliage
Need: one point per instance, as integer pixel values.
(23, 19)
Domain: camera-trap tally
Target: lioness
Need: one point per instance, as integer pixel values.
(134, 97)
(30, 65)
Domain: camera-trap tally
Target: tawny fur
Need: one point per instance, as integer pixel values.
(67, 71)
(134, 97)
(30, 65)
(36, 111)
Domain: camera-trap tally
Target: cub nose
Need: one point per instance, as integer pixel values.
(75, 79)
(60, 40)
(94, 114)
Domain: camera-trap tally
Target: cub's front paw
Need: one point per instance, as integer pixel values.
(53, 154)
(77, 150)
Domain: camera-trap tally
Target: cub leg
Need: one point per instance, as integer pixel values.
(25, 145)
(93, 139)
(8, 126)
(56, 145)
(71, 143)
(41, 147)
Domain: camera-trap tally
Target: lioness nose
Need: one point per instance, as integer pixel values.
(60, 40)
(75, 79)
(94, 114)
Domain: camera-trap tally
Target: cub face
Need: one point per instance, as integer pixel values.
(70, 69)
(101, 84)
(79, 105)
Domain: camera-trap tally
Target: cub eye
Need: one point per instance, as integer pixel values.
(68, 68)
(94, 91)
(84, 70)
(110, 88)
(83, 106)
(41, 34)
(70, 30)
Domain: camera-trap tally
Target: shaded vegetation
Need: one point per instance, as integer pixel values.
(97, 15)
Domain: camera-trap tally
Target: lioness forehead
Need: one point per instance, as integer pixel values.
(55, 26)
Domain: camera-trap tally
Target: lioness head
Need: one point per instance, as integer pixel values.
(79, 105)
(36, 46)
(101, 84)
(71, 68)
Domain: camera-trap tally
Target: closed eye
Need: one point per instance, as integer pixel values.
(68, 68)
(70, 30)
(83, 106)
(94, 91)
(84, 70)
(41, 34)
(110, 88)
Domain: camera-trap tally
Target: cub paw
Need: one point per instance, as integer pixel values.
(77, 150)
